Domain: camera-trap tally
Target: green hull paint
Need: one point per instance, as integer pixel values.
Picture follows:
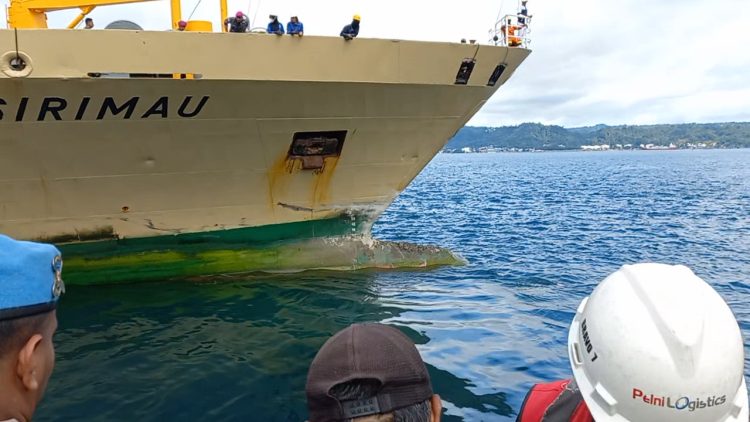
(330, 244)
(230, 239)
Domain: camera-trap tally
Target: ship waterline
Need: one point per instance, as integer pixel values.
(123, 143)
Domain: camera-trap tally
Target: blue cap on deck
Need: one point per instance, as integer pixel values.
(30, 278)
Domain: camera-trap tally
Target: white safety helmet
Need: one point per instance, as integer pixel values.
(653, 343)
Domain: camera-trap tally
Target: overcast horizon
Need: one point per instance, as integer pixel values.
(604, 124)
(620, 62)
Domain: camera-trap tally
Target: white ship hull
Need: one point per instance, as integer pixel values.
(100, 143)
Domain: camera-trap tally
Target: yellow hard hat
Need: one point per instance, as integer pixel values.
(357, 18)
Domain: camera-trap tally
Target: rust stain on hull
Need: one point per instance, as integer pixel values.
(281, 174)
(322, 181)
(278, 178)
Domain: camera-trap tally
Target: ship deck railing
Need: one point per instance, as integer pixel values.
(511, 31)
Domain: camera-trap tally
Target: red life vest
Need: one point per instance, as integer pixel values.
(558, 401)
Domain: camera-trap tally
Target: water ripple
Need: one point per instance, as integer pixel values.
(539, 231)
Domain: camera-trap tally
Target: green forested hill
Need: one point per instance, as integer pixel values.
(538, 136)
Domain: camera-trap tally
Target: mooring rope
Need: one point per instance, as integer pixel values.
(18, 57)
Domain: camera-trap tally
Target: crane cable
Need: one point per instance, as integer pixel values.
(18, 57)
(499, 12)
(194, 9)
(255, 15)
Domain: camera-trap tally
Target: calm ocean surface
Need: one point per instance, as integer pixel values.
(539, 230)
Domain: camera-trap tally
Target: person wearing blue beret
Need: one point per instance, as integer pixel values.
(30, 286)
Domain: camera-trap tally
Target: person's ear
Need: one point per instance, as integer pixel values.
(436, 407)
(27, 370)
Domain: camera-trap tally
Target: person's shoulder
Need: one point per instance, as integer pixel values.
(551, 386)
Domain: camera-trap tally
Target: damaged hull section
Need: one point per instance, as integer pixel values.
(320, 244)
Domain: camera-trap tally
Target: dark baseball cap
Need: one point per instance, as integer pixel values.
(368, 352)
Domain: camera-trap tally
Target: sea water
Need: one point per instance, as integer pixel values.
(539, 230)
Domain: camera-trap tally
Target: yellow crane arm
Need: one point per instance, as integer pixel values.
(32, 13)
(52, 5)
(84, 11)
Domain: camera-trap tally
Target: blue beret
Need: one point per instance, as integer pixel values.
(30, 278)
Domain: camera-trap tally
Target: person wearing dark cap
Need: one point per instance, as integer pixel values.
(352, 30)
(238, 23)
(88, 23)
(30, 286)
(523, 14)
(370, 372)
(275, 27)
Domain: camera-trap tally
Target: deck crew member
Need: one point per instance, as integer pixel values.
(523, 14)
(295, 27)
(30, 286)
(652, 343)
(370, 372)
(238, 23)
(511, 39)
(275, 27)
(89, 24)
(181, 25)
(352, 30)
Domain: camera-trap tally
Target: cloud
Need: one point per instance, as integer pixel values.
(630, 62)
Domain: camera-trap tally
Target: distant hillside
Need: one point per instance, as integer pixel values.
(540, 137)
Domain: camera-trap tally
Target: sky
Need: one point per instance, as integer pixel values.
(593, 61)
